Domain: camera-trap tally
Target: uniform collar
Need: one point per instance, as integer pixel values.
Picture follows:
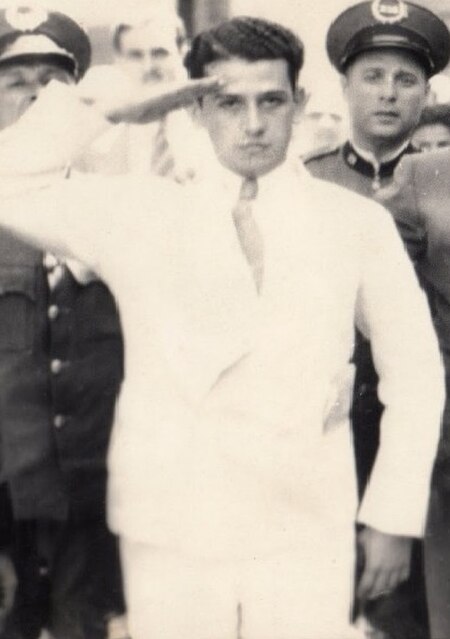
(365, 163)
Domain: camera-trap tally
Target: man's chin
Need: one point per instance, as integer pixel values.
(387, 132)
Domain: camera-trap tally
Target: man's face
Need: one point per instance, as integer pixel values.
(431, 137)
(149, 55)
(20, 85)
(250, 120)
(386, 93)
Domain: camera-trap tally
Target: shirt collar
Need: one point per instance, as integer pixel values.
(230, 183)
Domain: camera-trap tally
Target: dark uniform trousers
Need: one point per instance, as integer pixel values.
(403, 614)
(61, 366)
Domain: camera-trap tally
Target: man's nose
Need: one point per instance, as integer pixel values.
(389, 89)
(254, 120)
(150, 62)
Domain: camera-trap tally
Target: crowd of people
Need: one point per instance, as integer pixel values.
(224, 366)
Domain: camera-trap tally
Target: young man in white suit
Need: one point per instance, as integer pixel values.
(232, 484)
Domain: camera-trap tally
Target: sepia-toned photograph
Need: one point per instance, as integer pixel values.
(224, 319)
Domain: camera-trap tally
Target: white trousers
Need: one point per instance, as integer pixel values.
(172, 597)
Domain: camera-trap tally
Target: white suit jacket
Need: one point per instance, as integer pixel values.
(232, 435)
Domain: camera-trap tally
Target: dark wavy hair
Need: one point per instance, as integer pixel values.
(248, 38)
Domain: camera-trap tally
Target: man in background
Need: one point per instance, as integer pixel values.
(385, 52)
(433, 131)
(60, 372)
(149, 49)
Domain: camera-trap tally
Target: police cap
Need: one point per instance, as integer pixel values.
(28, 31)
(389, 24)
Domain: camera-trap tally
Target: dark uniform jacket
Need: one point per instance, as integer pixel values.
(60, 371)
(344, 166)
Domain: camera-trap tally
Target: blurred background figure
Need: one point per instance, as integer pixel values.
(323, 125)
(433, 130)
(150, 48)
(148, 51)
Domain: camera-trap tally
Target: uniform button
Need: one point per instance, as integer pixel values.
(43, 571)
(56, 366)
(59, 421)
(53, 312)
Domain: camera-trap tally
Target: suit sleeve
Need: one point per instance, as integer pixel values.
(393, 313)
(50, 134)
(401, 200)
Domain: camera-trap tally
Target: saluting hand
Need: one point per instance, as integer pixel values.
(147, 105)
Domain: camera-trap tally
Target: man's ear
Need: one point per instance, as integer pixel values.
(301, 99)
(344, 83)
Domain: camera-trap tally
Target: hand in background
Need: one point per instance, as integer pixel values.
(387, 561)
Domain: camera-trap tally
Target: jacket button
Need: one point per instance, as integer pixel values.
(56, 366)
(59, 421)
(53, 312)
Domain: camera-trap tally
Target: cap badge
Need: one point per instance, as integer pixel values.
(389, 11)
(25, 17)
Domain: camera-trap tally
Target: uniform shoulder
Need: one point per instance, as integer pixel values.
(320, 155)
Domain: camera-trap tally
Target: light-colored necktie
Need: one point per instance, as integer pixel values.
(162, 162)
(247, 230)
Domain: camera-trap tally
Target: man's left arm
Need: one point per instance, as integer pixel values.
(393, 314)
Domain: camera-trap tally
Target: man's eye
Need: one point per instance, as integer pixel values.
(408, 81)
(160, 53)
(372, 77)
(135, 55)
(273, 100)
(228, 103)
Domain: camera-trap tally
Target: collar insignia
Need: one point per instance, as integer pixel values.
(389, 11)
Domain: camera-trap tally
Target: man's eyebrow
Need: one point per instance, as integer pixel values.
(276, 92)
(220, 93)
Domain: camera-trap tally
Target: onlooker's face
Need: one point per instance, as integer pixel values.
(149, 55)
(20, 85)
(250, 120)
(325, 128)
(386, 93)
(431, 137)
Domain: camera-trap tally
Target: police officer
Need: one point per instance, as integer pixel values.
(385, 51)
(60, 371)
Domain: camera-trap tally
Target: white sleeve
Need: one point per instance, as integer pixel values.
(100, 221)
(393, 312)
(50, 134)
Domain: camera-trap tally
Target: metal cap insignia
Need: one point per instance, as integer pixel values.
(389, 11)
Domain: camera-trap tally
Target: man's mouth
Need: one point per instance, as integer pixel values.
(254, 147)
(387, 115)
